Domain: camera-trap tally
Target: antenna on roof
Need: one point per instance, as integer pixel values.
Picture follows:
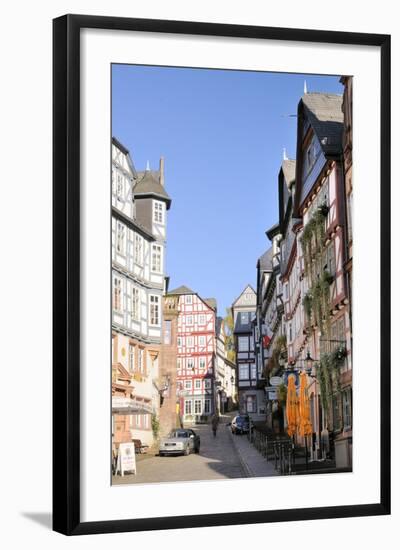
(305, 87)
(147, 166)
(285, 157)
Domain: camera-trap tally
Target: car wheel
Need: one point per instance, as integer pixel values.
(197, 450)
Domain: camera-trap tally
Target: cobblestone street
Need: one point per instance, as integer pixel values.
(223, 457)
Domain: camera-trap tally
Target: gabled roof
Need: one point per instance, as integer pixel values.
(182, 290)
(149, 184)
(211, 302)
(324, 111)
(126, 152)
(265, 260)
(289, 171)
(247, 290)
(272, 231)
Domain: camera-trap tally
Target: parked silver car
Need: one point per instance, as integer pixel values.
(180, 441)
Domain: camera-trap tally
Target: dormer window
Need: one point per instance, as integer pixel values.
(158, 212)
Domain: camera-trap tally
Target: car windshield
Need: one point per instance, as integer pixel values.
(178, 433)
(241, 420)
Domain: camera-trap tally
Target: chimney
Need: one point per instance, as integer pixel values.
(162, 171)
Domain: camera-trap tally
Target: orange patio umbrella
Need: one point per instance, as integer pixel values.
(305, 426)
(292, 413)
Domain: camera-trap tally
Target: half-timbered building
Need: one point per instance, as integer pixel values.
(196, 351)
(138, 226)
(320, 201)
(251, 397)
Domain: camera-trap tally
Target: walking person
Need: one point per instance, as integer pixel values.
(214, 424)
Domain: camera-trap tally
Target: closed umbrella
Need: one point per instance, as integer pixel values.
(305, 426)
(292, 415)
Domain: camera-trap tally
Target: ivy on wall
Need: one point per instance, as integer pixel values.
(316, 301)
(328, 374)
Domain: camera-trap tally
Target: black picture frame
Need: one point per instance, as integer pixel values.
(66, 273)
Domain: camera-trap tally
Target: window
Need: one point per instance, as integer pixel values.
(253, 372)
(243, 342)
(117, 302)
(141, 365)
(207, 406)
(154, 310)
(251, 404)
(120, 245)
(188, 384)
(189, 320)
(189, 341)
(179, 363)
(202, 362)
(243, 371)
(167, 332)
(156, 258)
(120, 186)
(244, 318)
(158, 212)
(197, 406)
(310, 156)
(188, 299)
(190, 363)
(113, 179)
(135, 304)
(346, 396)
(188, 407)
(179, 341)
(131, 357)
(336, 412)
(138, 249)
(330, 258)
(349, 201)
(197, 384)
(202, 319)
(202, 340)
(207, 384)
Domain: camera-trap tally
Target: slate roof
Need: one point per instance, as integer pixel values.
(218, 323)
(241, 328)
(182, 290)
(149, 184)
(265, 260)
(212, 302)
(272, 231)
(289, 171)
(326, 117)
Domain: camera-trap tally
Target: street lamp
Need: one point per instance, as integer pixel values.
(309, 365)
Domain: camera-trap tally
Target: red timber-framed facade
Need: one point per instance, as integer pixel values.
(321, 253)
(195, 357)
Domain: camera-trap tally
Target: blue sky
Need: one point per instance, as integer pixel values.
(222, 134)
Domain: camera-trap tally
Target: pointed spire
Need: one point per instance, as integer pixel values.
(285, 157)
(148, 166)
(305, 87)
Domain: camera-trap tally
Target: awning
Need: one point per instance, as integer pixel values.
(128, 405)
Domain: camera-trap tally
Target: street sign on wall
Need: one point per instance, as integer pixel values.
(275, 380)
